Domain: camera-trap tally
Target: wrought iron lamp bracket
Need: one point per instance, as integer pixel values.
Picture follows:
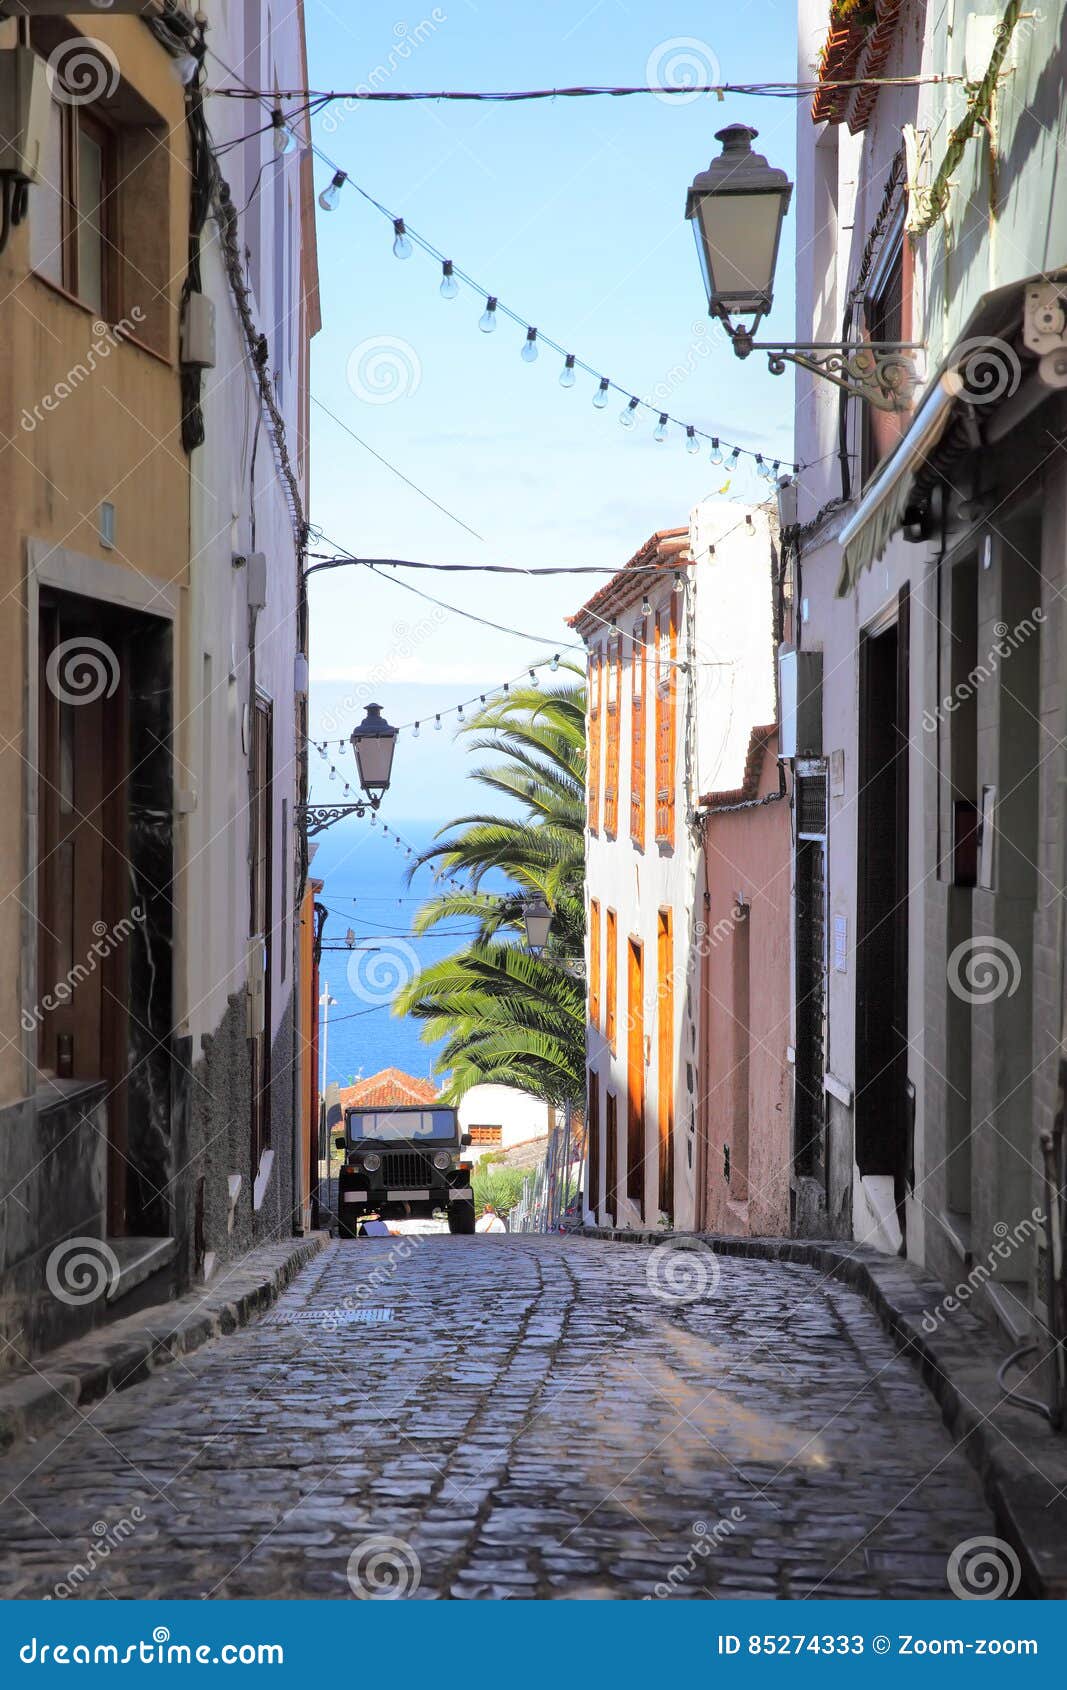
(883, 373)
(315, 818)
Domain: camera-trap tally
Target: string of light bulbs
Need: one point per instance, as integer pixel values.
(723, 453)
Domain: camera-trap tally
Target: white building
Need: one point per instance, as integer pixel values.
(502, 1118)
(680, 669)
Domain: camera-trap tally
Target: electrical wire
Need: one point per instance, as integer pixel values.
(750, 90)
(406, 479)
(478, 568)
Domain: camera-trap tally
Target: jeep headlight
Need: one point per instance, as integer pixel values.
(442, 1159)
(372, 1162)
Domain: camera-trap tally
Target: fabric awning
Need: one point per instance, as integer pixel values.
(880, 511)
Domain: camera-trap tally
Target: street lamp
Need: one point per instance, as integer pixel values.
(374, 743)
(737, 207)
(326, 1003)
(537, 918)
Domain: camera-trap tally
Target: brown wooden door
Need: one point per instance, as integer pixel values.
(635, 1073)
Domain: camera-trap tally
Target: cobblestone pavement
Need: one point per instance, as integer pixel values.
(535, 1419)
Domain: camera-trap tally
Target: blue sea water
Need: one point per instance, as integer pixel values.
(366, 889)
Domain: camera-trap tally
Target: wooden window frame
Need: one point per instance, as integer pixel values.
(75, 121)
(592, 1161)
(635, 1072)
(613, 737)
(496, 1132)
(592, 779)
(611, 1156)
(638, 730)
(665, 1056)
(611, 937)
(260, 908)
(594, 963)
(666, 624)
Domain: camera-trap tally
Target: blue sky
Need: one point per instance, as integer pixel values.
(572, 212)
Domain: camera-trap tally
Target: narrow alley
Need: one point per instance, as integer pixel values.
(522, 1416)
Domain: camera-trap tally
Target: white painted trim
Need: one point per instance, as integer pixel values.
(93, 578)
(837, 1088)
(259, 1189)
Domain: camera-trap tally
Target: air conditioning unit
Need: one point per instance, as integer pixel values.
(24, 101)
(800, 696)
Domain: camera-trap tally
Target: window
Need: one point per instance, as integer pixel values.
(665, 1057)
(612, 948)
(486, 1135)
(635, 1073)
(594, 963)
(887, 317)
(71, 209)
(666, 704)
(638, 660)
(592, 778)
(611, 771)
(592, 1107)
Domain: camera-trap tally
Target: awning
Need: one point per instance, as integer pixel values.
(983, 369)
(880, 512)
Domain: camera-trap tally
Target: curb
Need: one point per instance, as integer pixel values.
(1021, 1461)
(131, 1350)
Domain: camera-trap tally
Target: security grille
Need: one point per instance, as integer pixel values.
(407, 1170)
(811, 805)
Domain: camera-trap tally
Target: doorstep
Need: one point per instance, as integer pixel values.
(1022, 1462)
(128, 1351)
(138, 1259)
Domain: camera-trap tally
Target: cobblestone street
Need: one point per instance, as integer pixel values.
(533, 1418)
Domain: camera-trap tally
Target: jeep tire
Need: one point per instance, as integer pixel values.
(461, 1217)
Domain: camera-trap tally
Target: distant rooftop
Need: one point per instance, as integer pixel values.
(391, 1088)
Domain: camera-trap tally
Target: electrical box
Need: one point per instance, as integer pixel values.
(800, 695)
(256, 579)
(24, 101)
(198, 332)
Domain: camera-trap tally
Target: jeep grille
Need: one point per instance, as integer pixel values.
(407, 1170)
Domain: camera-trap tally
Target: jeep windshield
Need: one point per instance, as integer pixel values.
(404, 1126)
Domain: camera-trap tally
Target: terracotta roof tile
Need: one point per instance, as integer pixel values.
(759, 741)
(389, 1089)
(663, 550)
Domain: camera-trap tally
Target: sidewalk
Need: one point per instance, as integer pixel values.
(36, 1395)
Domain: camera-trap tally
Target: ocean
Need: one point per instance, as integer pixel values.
(366, 889)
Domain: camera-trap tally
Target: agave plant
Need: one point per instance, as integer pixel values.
(508, 1017)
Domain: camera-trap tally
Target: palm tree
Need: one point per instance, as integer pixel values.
(508, 1017)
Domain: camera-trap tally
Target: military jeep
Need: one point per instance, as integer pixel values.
(403, 1163)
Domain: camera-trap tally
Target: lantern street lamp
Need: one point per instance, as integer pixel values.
(537, 918)
(737, 207)
(373, 744)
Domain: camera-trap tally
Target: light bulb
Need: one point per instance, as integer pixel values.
(329, 196)
(401, 245)
(775, 468)
(646, 606)
(449, 286)
(716, 452)
(567, 377)
(679, 581)
(534, 682)
(487, 320)
(600, 397)
(373, 819)
(626, 415)
(415, 731)
(660, 431)
(333, 772)
(459, 713)
(185, 67)
(284, 139)
(734, 455)
(529, 351)
(761, 467)
(437, 724)
(322, 752)
(554, 665)
(692, 444)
